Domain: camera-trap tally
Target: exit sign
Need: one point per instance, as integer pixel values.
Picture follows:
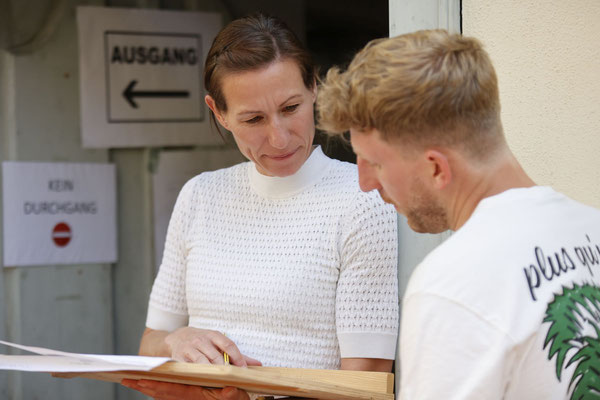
(141, 77)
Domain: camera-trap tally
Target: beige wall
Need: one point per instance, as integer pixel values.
(547, 56)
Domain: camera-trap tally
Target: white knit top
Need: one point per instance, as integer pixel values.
(297, 271)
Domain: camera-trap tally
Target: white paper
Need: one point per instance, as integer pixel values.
(59, 361)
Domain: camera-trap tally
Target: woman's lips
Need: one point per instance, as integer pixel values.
(283, 156)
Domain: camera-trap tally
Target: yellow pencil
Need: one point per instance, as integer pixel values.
(225, 355)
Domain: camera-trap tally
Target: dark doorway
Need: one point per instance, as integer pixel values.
(335, 31)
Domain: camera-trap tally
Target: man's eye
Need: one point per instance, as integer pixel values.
(291, 108)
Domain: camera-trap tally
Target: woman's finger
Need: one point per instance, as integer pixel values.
(226, 345)
(209, 350)
(175, 391)
(252, 362)
(200, 359)
(232, 393)
(194, 355)
(135, 385)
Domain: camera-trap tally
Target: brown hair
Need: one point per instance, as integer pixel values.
(250, 43)
(426, 87)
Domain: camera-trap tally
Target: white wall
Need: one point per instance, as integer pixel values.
(547, 57)
(413, 15)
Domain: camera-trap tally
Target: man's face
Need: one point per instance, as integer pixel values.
(401, 178)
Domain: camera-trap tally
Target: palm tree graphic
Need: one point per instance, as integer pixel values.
(574, 318)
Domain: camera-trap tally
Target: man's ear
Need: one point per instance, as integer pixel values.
(210, 102)
(439, 170)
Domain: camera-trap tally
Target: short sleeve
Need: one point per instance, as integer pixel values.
(367, 291)
(449, 352)
(167, 309)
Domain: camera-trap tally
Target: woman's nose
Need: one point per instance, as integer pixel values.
(278, 134)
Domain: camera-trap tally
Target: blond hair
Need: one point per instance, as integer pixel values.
(427, 87)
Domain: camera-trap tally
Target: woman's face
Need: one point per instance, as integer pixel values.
(270, 113)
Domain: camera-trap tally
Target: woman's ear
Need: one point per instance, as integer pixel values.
(439, 170)
(210, 102)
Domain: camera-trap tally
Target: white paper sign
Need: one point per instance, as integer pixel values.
(58, 213)
(141, 76)
(60, 361)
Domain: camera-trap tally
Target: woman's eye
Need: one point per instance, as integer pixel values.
(291, 108)
(254, 120)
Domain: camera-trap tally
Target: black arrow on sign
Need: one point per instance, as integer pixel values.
(129, 93)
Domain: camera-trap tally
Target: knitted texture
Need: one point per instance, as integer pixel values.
(282, 276)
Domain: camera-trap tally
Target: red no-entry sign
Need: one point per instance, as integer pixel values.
(61, 234)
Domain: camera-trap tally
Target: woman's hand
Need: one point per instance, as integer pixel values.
(175, 391)
(205, 347)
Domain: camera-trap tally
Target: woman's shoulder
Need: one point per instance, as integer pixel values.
(224, 177)
(342, 174)
(214, 184)
(341, 182)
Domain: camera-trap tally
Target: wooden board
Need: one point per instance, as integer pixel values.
(313, 383)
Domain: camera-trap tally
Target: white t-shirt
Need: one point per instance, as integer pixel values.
(297, 271)
(508, 304)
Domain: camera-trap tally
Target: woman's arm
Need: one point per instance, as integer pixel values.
(367, 292)
(367, 364)
(153, 344)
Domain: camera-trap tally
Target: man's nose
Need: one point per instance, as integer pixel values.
(367, 178)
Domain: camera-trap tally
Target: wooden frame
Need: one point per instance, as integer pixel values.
(312, 383)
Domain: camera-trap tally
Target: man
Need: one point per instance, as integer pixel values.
(509, 306)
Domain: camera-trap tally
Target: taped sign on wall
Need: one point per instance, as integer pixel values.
(58, 213)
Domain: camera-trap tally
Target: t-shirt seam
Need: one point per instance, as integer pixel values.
(155, 305)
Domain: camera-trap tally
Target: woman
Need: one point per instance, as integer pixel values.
(281, 260)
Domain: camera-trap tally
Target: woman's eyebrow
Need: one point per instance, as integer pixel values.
(292, 97)
(244, 112)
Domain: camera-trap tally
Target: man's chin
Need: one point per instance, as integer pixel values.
(386, 199)
(421, 229)
(421, 226)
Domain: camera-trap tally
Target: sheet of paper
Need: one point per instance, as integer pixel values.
(59, 361)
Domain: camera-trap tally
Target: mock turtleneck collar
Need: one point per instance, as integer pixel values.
(276, 188)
